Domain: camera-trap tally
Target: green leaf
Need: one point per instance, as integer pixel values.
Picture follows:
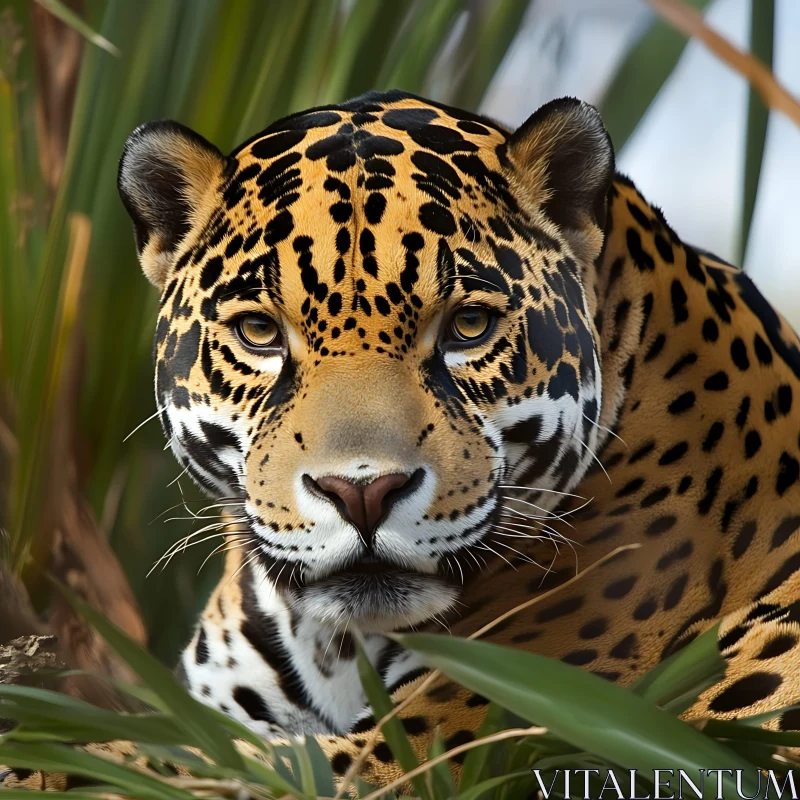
(439, 779)
(491, 29)
(640, 77)
(476, 760)
(69, 17)
(480, 789)
(32, 794)
(192, 716)
(56, 758)
(678, 681)
(392, 730)
(762, 29)
(423, 31)
(323, 774)
(586, 711)
(730, 729)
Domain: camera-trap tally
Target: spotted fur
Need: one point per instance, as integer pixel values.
(634, 390)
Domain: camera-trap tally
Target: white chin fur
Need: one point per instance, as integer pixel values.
(376, 603)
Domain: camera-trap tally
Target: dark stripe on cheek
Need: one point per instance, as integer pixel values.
(263, 634)
(285, 386)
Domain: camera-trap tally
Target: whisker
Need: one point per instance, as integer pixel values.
(607, 430)
(539, 489)
(593, 455)
(523, 556)
(226, 547)
(143, 423)
(180, 475)
(485, 546)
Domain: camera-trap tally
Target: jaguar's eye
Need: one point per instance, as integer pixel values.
(258, 331)
(470, 325)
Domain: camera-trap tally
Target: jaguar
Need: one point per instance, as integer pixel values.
(431, 370)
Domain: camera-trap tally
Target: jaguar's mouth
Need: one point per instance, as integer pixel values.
(376, 595)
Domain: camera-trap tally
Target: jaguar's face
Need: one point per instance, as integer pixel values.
(370, 326)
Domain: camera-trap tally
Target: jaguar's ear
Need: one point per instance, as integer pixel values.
(165, 174)
(564, 163)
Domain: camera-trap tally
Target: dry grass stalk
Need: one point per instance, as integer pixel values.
(690, 22)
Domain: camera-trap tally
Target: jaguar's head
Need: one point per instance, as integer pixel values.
(374, 318)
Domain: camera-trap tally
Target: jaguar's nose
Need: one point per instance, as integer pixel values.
(364, 505)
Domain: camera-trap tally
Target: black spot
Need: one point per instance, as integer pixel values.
(560, 609)
(684, 361)
(656, 347)
(594, 628)
(642, 452)
(763, 353)
(457, 739)
(784, 399)
(712, 487)
(713, 436)
(752, 444)
(661, 525)
(743, 539)
(341, 762)
(784, 531)
(741, 414)
(579, 658)
(739, 354)
(682, 403)
(790, 720)
(664, 249)
(374, 208)
(378, 146)
(675, 592)
(564, 381)
(415, 726)
(679, 311)
(272, 146)
(679, 553)
(675, 453)
(643, 260)
(383, 753)
(201, 652)
(710, 330)
(630, 487)
(788, 568)
(279, 228)
(253, 703)
(625, 647)
(406, 119)
(717, 382)
(746, 691)
(655, 496)
(212, 269)
(620, 588)
(777, 647)
(788, 473)
(436, 218)
(645, 609)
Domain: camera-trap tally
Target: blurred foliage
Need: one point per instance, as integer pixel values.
(641, 76)
(762, 30)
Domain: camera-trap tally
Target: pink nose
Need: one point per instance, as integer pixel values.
(364, 505)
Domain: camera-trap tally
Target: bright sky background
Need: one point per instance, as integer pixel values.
(687, 154)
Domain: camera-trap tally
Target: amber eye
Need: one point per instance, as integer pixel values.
(258, 331)
(471, 324)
